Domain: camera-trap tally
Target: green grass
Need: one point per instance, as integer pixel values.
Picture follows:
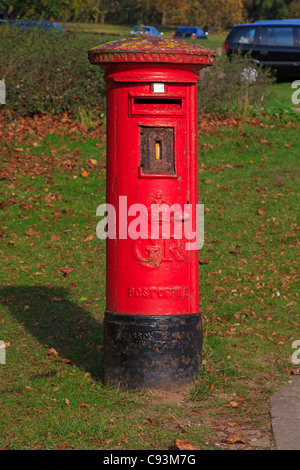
(93, 28)
(53, 292)
(215, 40)
(280, 100)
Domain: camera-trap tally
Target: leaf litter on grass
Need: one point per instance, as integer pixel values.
(247, 183)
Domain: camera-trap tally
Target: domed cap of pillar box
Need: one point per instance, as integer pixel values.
(151, 50)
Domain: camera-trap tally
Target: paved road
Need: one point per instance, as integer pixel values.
(285, 415)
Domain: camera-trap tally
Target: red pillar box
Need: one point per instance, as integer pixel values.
(152, 324)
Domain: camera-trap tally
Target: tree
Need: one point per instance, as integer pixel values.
(218, 13)
(294, 9)
(223, 14)
(102, 10)
(267, 9)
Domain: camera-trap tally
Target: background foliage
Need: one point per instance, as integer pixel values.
(237, 86)
(49, 72)
(215, 13)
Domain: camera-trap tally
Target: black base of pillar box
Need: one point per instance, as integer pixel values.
(153, 351)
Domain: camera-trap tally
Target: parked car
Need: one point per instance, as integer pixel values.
(190, 32)
(145, 30)
(25, 25)
(271, 43)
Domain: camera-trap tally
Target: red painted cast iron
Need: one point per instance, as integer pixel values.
(152, 161)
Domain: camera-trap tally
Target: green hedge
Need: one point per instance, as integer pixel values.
(236, 86)
(49, 71)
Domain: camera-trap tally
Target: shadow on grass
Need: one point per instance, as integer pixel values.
(57, 322)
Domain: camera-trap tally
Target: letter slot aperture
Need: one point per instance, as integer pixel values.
(157, 150)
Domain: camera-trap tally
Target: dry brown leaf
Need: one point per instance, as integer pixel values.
(92, 162)
(31, 232)
(234, 252)
(89, 238)
(234, 404)
(67, 401)
(65, 270)
(235, 438)
(261, 212)
(65, 361)
(231, 423)
(52, 352)
(184, 445)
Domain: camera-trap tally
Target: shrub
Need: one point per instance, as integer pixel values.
(234, 86)
(49, 71)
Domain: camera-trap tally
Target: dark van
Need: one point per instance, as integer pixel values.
(272, 43)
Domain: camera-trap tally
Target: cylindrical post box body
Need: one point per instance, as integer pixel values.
(152, 324)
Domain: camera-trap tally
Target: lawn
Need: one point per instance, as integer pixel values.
(52, 291)
(215, 39)
(52, 286)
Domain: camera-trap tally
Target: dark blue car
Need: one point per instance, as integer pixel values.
(190, 32)
(40, 25)
(270, 43)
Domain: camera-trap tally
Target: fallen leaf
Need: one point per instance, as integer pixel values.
(231, 423)
(31, 232)
(67, 401)
(92, 162)
(65, 270)
(84, 174)
(65, 361)
(235, 438)
(204, 261)
(261, 212)
(89, 238)
(234, 252)
(184, 445)
(52, 352)
(234, 404)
